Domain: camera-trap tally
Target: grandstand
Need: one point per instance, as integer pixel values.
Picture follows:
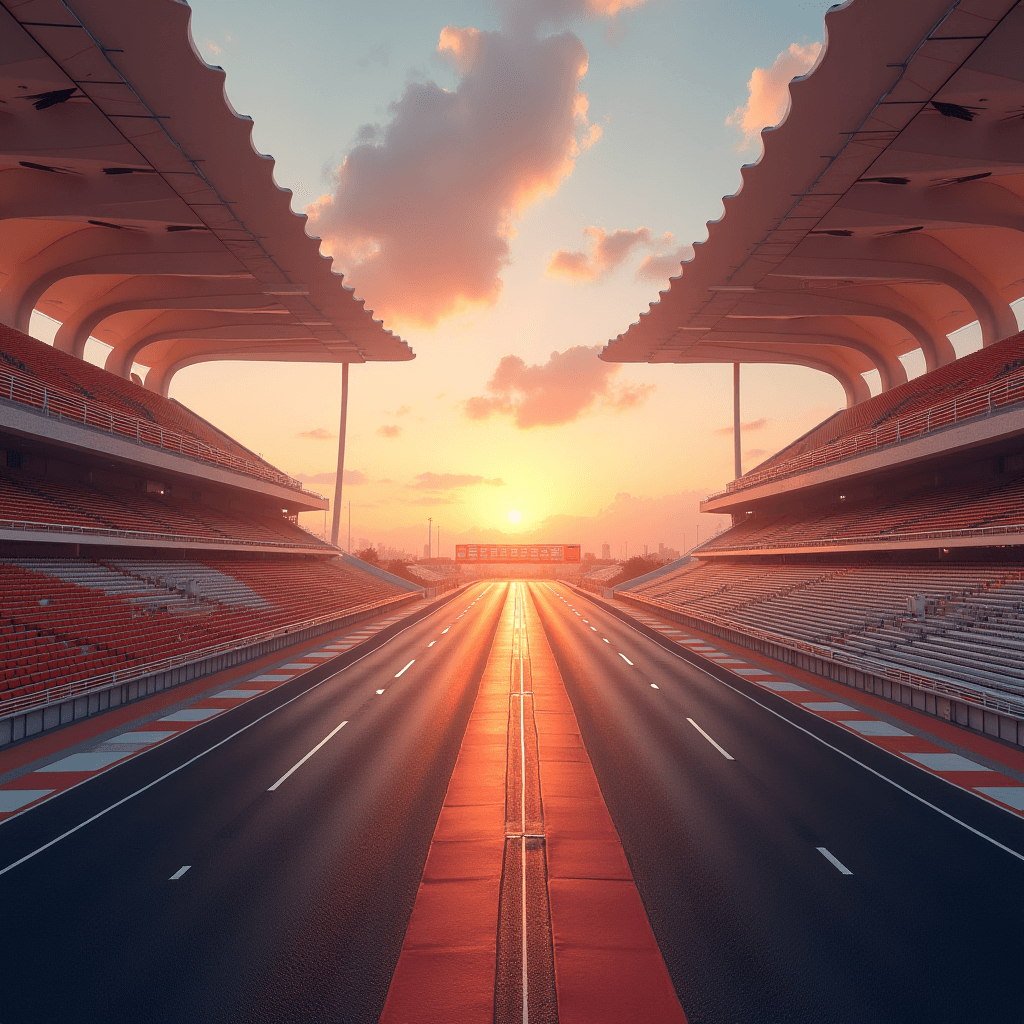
(141, 546)
(885, 547)
(909, 571)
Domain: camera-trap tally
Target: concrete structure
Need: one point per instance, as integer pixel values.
(134, 208)
(885, 213)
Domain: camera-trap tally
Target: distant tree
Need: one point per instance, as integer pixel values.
(368, 555)
(634, 567)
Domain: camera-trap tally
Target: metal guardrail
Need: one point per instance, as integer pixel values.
(29, 391)
(177, 538)
(968, 695)
(974, 404)
(83, 687)
(979, 531)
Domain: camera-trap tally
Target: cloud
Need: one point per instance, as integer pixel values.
(446, 481)
(607, 251)
(756, 453)
(559, 391)
(768, 92)
(403, 410)
(317, 434)
(424, 207)
(352, 476)
(390, 430)
(759, 424)
(659, 267)
(213, 48)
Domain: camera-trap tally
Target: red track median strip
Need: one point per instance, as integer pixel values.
(446, 969)
(608, 967)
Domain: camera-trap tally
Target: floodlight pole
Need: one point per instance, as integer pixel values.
(336, 521)
(736, 419)
(430, 535)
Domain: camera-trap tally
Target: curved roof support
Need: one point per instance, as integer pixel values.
(908, 260)
(881, 303)
(813, 331)
(76, 330)
(106, 251)
(195, 335)
(836, 363)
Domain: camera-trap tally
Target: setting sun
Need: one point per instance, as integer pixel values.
(514, 516)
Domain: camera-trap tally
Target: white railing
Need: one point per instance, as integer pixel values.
(872, 538)
(177, 538)
(65, 691)
(974, 404)
(27, 390)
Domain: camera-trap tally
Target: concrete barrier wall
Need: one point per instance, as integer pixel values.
(999, 726)
(30, 723)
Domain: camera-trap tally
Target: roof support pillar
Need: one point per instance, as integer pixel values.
(737, 451)
(336, 519)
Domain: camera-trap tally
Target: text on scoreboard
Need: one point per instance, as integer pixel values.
(477, 553)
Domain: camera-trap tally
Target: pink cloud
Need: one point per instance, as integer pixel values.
(607, 251)
(317, 434)
(446, 481)
(660, 266)
(352, 476)
(389, 430)
(559, 391)
(424, 207)
(768, 89)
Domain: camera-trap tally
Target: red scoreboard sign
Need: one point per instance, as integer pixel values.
(511, 554)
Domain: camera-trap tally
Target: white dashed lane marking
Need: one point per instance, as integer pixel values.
(406, 669)
(837, 864)
(625, 659)
(177, 874)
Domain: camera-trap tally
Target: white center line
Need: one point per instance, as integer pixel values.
(655, 686)
(838, 865)
(445, 630)
(432, 642)
(379, 692)
(606, 640)
(594, 628)
(624, 658)
(721, 750)
(404, 670)
(300, 763)
(177, 874)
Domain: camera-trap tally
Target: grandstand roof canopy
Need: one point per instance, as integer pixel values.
(886, 212)
(134, 208)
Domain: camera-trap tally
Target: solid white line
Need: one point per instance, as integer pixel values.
(725, 753)
(624, 658)
(841, 867)
(300, 763)
(850, 757)
(177, 874)
(174, 771)
(404, 670)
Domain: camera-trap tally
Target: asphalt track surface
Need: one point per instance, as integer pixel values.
(296, 900)
(754, 922)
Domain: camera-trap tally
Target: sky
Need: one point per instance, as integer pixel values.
(508, 184)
